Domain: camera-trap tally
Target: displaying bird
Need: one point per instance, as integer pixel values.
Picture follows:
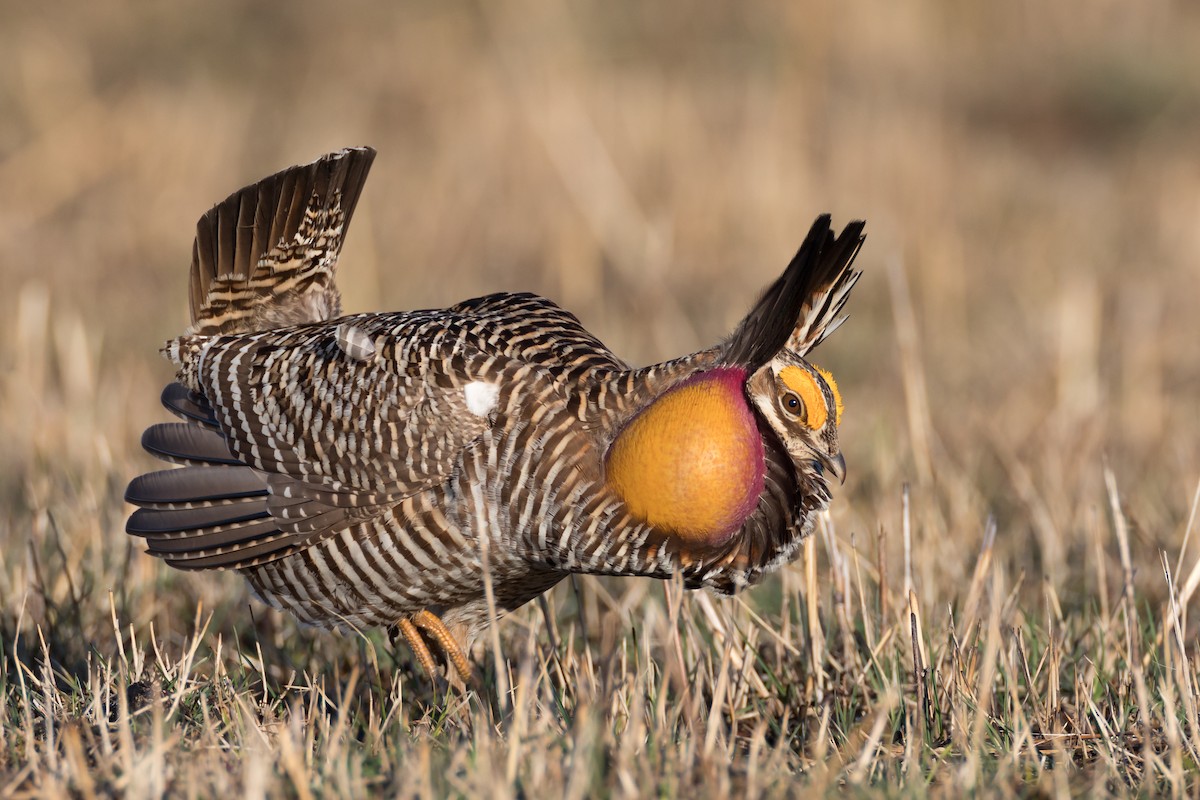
(377, 469)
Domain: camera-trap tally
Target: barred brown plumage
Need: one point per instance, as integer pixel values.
(349, 467)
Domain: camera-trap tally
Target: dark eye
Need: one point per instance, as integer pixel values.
(793, 405)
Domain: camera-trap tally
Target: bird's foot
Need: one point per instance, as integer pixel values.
(424, 622)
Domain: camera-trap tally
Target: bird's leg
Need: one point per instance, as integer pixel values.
(417, 644)
(432, 625)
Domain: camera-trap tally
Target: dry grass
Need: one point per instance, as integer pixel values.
(1001, 598)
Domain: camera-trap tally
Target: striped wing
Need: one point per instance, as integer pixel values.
(536, 331)
(304, 432)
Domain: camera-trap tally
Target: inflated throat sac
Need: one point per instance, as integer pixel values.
(691, 463)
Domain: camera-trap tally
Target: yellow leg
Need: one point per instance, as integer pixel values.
(419, 648)
(432, 625)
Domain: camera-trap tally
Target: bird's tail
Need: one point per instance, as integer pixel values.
(265, 256)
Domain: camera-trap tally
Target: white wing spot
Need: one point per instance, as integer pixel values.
(481, 397)
(355, 342)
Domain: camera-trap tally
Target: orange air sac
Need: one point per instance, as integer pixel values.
(691, 462)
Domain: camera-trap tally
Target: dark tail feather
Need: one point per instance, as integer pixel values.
(153, 522)
(205, 517)
(185, 545)
(236, 556)
(188, 405)
(182, 443)
(190, 486)
(801, 307)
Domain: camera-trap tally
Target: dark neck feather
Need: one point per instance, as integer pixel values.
(769, 538)
(617, 397)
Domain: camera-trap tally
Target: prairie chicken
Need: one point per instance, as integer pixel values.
(361, 470)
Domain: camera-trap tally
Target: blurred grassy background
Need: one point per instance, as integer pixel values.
(1032, 171)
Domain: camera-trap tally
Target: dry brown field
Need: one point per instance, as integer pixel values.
(1000, 598)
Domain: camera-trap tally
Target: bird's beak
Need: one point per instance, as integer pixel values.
(836, 465)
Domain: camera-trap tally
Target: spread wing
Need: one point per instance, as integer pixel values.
(303, 432)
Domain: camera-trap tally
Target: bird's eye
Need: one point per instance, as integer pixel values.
(793, 405)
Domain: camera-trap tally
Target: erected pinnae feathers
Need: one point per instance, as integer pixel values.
(265, 256)
(820, 314)
(801, 307)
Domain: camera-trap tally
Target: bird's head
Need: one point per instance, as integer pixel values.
(692, 461)
(801, 404)
(799, 401)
